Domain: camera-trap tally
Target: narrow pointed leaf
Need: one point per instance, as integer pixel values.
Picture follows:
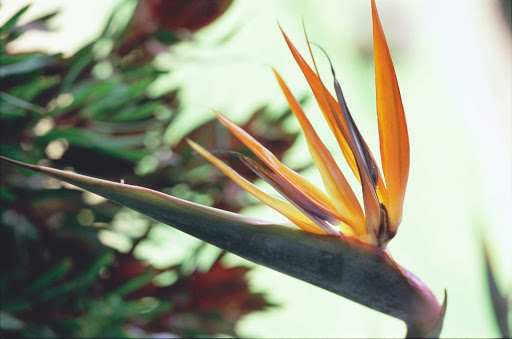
(393, 135)
(11, 23)
(362, 273)
(500, 301)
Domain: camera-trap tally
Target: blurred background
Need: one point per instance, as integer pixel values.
(107, 93)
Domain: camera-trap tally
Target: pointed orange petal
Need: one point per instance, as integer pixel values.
(296, 198)
(335, 183)
(331, 110)
(283, 207)
(394, 139)
(294, 179)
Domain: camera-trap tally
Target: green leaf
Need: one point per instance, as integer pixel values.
(134, 113)
(134, 284)
(35, 63)
(14, 101)
(74, 136)
(103, 108)
(11, 23)
(55, 273)
(87, 90)
(80, 284)
(363, 273)
(78, 66)
(28, 91)
(11, 114)
(500, 301)
(119, 147)
(127, 154)
(166, 37)
(6, 194)
(12, 59)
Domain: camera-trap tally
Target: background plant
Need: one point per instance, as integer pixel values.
(92, 112)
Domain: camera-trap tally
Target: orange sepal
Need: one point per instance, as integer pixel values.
(329, 110)
(332, 113)
(334, 181)
(281, 206)
(291, 177)
(393, 135)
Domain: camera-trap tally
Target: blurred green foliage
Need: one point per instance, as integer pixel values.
(92, 112)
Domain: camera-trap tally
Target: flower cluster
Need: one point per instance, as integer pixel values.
(338, 211)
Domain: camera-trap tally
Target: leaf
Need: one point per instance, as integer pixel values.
(79, 284)
(166, 37)
(17, 102)
(116, 146)
(363, 273)
(86, 91)
(11, 23)
(55, 273)
(31, 89)
(6, 194)
(115, 99)
(133, 113)
(499, 300)
(11, 114)
(80, 62)
(37, 62)
(39, 24)
(134, 284)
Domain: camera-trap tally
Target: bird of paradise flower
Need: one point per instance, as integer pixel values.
(338, 212)
(360, 270)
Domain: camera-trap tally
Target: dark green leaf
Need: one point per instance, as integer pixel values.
(6, 194)
(52, 275)
(500, 301)
(134, 284)
(166, 37)
(14, 101)
(86, 91)
(35, 63)
(11, 23)
(79, 64)
(74, 136)
(136, 112)
(103, 108)
(78, 285)
(30, 90)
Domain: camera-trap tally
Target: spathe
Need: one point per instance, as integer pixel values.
(363, 273)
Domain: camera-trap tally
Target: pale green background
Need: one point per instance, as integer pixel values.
(453, 62)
